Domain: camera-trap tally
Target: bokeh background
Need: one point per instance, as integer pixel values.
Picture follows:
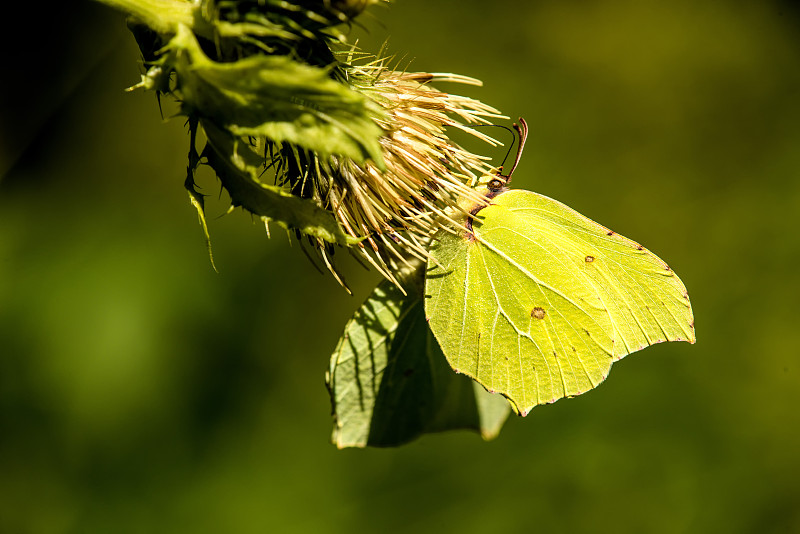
(142, 392)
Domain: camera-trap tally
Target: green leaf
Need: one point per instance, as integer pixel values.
(389, 381)
(238, 168)
(195, 197)
(279, 98)
(163, 16)
(539, 301)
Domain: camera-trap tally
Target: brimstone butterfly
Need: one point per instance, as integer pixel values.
(535, 301)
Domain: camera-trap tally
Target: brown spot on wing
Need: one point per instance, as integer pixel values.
(538, 313)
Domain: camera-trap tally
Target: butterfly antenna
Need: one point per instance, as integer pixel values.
(522, 132)
(510, 147)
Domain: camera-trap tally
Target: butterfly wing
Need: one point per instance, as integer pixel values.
(539, 301)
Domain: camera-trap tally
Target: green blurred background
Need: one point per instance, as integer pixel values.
(142, 392)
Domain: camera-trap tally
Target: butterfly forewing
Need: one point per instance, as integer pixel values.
(538, 301)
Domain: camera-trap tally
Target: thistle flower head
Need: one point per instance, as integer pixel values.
(427, 180)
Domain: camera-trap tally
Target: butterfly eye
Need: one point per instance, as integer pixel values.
(495, 184)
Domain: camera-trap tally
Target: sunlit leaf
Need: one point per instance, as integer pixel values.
(163, 16)
(389, 381)
(279, 98)
(538, 301)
